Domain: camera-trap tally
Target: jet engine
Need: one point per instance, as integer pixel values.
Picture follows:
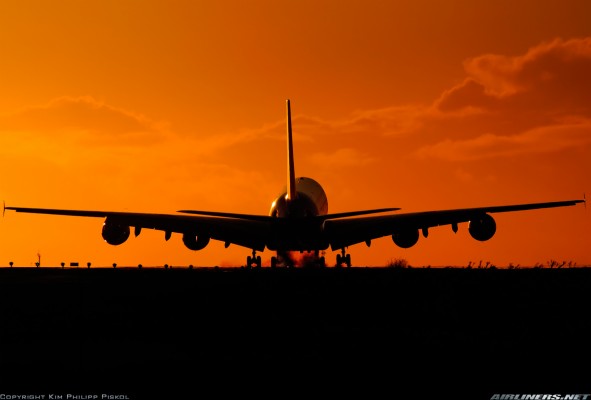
(482, 228)
(195, 242)
(115, 233)
(406, 238)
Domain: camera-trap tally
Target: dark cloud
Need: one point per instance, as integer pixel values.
(500, 109)
(551, 78)
(536, 102)
(557, 67)
(507, 106)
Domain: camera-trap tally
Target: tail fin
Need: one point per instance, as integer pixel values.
(291, 181)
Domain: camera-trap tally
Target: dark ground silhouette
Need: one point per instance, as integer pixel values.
(387, 333)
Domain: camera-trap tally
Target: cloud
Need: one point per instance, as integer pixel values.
(539, 140)
(507, 106)
(392, 120)
(561, 65)
(468, 98)
(86, 118)
(551, 77)
(341, 158)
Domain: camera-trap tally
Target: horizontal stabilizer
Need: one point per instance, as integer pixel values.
(357, 213)
(250, 217)
(267, 218)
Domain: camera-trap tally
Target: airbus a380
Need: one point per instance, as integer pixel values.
(298, 221)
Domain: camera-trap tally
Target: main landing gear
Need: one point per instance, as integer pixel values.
(253, 261)
(343, 258)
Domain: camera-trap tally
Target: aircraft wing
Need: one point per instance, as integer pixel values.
(339, 230)
(349, 231)
(251, 233)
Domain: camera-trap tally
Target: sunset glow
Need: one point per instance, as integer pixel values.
(157, 106)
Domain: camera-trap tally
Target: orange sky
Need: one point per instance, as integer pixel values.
(159, 106)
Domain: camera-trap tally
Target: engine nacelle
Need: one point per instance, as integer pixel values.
(115, 233)
(406, 238)
(195, 242)
(482, 228)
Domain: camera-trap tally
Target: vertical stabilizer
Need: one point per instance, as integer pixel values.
(291, 181)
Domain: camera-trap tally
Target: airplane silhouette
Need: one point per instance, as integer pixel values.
(298, 221)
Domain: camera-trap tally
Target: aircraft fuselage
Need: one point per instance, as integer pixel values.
(293, 229)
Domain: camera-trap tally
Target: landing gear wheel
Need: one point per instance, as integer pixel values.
(343, 258)
(256, 260)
